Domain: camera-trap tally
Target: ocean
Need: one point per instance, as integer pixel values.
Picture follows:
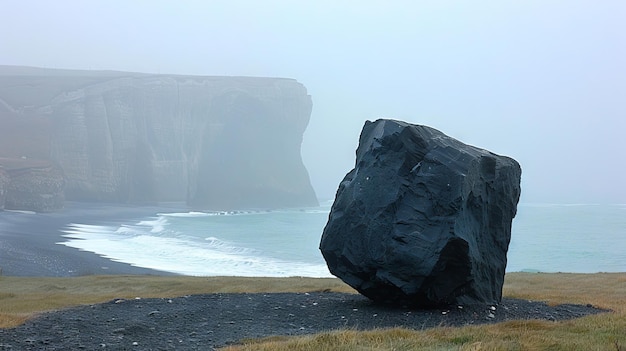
(577, 238)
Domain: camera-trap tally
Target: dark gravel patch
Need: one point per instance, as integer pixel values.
(213, 320)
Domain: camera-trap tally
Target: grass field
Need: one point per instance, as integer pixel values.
(23, 298)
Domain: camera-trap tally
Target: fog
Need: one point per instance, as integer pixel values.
(542, 82)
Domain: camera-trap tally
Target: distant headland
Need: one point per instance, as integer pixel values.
(120, 137)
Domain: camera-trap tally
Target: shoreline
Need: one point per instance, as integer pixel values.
(29, 242)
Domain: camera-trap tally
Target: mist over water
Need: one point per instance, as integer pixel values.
(542, 82)
(582, 238)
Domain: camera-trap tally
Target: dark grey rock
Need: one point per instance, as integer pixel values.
(422, 219)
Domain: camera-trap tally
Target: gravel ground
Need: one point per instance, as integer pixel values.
(203, 322)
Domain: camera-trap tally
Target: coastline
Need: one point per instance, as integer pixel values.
(29, 242)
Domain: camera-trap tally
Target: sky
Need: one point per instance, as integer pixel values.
(541, 81)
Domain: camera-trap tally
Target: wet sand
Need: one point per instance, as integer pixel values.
(29, 241)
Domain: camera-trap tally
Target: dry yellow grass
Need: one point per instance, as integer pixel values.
(21, 298)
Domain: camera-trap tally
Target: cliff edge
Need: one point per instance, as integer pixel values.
(215, 142)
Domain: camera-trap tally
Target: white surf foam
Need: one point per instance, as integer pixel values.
(209, 257)
(156, 225)
(20, 211)
(193, 214)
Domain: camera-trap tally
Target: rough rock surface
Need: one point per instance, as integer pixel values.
(4, 183)
(32, 185)
(422, 218)
(215, 142)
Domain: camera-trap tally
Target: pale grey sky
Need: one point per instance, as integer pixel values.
(541, 81)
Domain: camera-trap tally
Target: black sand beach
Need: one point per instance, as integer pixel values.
(28, 241)
(28, 248)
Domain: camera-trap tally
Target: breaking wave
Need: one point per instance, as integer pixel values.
(211, 243)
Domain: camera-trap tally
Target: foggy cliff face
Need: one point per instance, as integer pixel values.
(215, 142)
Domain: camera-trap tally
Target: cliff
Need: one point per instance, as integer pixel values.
(215, 142)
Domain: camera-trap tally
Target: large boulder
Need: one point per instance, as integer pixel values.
(422, 219)
(214, 142)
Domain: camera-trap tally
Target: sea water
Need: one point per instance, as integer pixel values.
(582, 238)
